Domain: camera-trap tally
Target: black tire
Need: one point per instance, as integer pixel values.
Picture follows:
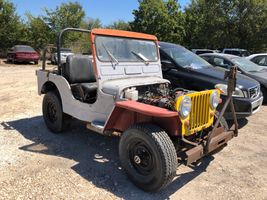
(36, 62)
(223, 122)
(54, 118)
(148, 156)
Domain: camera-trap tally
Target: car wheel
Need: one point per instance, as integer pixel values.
(148, 156)
(36, 62)
(53, 115)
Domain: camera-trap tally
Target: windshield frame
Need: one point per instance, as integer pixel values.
(128, 38)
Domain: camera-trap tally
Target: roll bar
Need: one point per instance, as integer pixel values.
(59, 43)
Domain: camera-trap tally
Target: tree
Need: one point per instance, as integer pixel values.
(38, 32)
(161, 18)
(120, 25)
(11, 29)
(67, 15)
(91, 23)
(226, 23)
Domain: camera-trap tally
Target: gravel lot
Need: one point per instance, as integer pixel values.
(80, 164)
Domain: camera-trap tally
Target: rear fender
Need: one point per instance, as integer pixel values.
(127, 113)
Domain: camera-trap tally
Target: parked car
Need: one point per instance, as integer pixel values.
(236, 51)
(201, 51)
(185, 69)
(22, 53)
(259, 59)
(64, 53)
(245, 67)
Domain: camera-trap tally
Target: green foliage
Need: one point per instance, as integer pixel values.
(91, 23)
(67, 15)
(11, 29)
(120, 25)
(161, 18)
(38, 32)
(226, 23)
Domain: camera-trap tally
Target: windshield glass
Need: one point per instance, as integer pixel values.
(24, 48)
(185, 58)
(125, 49)
(247, 65)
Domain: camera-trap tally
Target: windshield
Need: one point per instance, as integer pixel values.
(125, 49)
(247, 65)
(24, 48)
(185, 58)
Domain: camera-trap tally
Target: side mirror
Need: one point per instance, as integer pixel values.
(167, 64)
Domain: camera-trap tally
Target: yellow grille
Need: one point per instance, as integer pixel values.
(200, 116)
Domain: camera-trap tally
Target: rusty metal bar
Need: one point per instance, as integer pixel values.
(44, 58)
(231, 75)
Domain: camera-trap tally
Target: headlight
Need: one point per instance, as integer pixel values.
(236, 93)
(214, 99)
(185, 107)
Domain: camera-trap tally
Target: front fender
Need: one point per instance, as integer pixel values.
(128, 113)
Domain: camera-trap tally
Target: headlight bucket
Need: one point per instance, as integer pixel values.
(185, 107)
(236, 93)
(214, 100)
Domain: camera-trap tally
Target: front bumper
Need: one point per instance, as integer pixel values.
(218, 140)
(244, 107)
(25, 59)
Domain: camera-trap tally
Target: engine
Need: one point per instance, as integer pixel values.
(159, 95)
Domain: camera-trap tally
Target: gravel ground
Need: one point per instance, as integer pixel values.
(80, 164)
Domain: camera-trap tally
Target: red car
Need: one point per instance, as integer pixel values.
(22, 53)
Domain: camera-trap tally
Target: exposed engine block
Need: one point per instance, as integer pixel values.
(159, 95)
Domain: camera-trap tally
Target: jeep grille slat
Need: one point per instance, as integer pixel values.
(199, 116)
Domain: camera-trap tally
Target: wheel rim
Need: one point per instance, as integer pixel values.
(51, 112)
(141, 157)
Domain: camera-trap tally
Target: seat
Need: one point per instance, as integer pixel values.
(79, 72)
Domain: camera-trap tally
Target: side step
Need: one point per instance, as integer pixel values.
(96, 126)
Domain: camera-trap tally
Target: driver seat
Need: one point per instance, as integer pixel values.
(79, 72)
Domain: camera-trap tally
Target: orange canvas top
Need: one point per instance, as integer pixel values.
(120, 33)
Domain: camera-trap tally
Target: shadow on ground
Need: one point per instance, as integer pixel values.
(97, 157)
(19, 63)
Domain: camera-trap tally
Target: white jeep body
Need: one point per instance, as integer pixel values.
(111, 80)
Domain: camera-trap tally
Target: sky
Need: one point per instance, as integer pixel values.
(107, 11)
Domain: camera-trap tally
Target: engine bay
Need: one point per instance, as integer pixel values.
(160, 95)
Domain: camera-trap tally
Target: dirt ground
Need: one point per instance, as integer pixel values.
(80, 164)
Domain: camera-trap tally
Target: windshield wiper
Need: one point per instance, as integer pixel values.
(112, 58)
(141, 57)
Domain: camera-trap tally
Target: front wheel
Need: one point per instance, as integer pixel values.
(53, 115)
(148, 156)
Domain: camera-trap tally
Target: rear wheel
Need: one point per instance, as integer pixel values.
(148, 156)
(53, 114)
(36, 62)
